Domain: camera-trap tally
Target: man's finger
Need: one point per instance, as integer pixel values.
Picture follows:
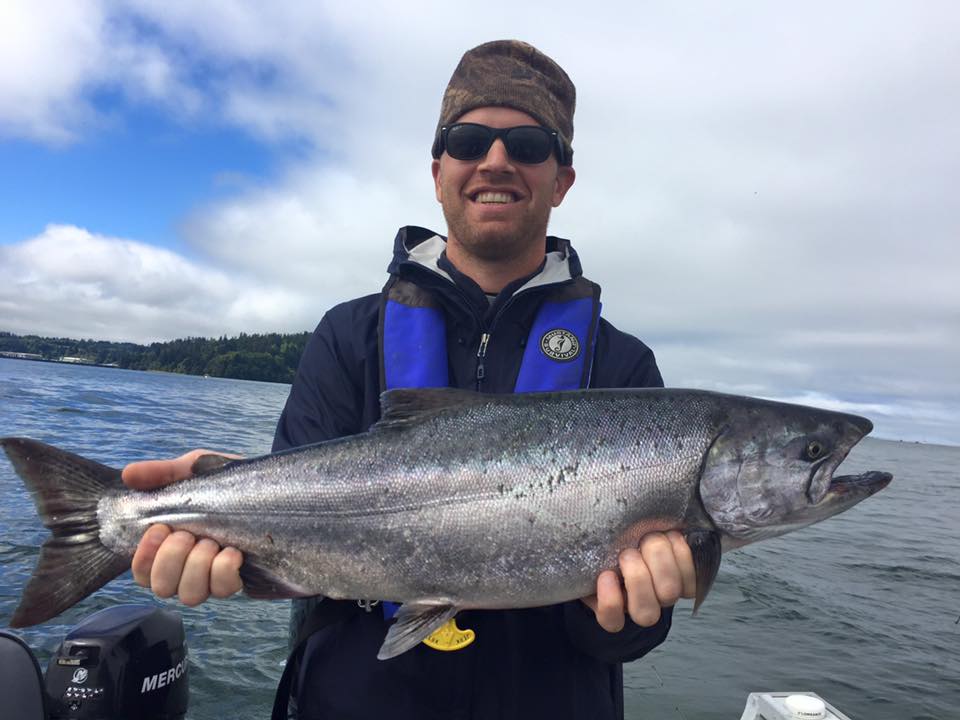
(225, 573)
(657, 552)
(169, 562)
(610, 608)
(142, 563)
(151, 474)
(194, 585)
(643, 605)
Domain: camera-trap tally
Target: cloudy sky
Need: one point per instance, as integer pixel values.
(766, 192)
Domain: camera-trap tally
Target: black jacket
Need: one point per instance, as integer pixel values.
(554, 661)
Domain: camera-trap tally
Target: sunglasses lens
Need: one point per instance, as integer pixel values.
(530, 145)
(468, 142)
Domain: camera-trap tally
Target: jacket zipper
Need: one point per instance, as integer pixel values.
(481, 354)
(485, 335)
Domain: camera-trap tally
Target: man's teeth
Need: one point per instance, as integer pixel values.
(494, 197)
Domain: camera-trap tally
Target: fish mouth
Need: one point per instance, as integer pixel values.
(859, 486)
(845, 491)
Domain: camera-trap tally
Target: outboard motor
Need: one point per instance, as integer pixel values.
(128, 661)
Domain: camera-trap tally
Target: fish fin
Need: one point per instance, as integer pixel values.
(66, 489)
(705, 546)
(68, 571)
(263, 584)
(414, 623)
(210, 462)
(407, 406)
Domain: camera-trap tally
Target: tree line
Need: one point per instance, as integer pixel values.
(271, 357)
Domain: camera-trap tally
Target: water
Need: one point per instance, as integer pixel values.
(237, 646)
(863, 609)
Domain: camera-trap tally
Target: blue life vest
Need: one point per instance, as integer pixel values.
(558, 354)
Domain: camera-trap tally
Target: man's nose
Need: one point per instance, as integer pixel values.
(497, 157)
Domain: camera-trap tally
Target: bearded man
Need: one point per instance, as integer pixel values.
(495, 305)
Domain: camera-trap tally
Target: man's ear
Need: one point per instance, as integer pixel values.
(565, 177)
(435, 169)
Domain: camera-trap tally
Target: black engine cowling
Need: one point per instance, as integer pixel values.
(128, 661)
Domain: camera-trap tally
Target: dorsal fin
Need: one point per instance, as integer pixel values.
(209, 463)
(408, 406)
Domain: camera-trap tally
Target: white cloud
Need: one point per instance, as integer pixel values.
(70, 282)
(325, 230)
(54, 55)
(37, 88)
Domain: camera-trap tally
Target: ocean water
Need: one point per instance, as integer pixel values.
(863, 609)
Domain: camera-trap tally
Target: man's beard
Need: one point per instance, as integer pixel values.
(497, 244)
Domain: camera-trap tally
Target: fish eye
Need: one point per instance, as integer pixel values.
(814, 450)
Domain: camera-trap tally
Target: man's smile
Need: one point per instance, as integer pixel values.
(494, 196)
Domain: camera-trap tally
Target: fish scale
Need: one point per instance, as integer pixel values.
(461, 500)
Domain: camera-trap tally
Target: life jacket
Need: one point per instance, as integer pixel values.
(558, 354)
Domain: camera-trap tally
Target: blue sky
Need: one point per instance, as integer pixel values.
(766, 193)
(136, 179)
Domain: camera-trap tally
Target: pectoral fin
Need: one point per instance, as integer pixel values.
(705, 546)
(413, 623)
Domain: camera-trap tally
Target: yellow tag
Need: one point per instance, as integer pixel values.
(449, 637)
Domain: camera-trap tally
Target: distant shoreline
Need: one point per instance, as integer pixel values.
(89, 363)
(270, 357)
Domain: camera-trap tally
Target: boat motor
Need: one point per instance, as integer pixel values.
(128, 661)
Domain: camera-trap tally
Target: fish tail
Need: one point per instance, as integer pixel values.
(73, 563)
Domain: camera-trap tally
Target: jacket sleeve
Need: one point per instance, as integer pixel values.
(630, 643)
(323, 401)
(621, 361)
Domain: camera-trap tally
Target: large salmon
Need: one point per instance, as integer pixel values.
(460, 500)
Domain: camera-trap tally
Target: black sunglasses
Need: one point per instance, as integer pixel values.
(527, 144)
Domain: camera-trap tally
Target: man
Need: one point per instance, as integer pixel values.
(496, 306)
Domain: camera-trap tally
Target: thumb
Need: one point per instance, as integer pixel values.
(151, 474)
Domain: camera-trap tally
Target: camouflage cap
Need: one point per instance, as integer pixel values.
(511, 73)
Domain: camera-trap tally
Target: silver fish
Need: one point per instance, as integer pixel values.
(461, 500)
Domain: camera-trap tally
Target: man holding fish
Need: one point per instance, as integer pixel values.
(498, 307)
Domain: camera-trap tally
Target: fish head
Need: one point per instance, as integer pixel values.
(770, 469)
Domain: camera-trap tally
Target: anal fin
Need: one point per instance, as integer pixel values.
(413, 623)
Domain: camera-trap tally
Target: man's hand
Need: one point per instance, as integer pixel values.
(175, 563)
(654, 576)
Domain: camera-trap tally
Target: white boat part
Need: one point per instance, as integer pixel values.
(789, 706)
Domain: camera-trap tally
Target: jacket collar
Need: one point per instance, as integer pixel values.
(418, 247)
